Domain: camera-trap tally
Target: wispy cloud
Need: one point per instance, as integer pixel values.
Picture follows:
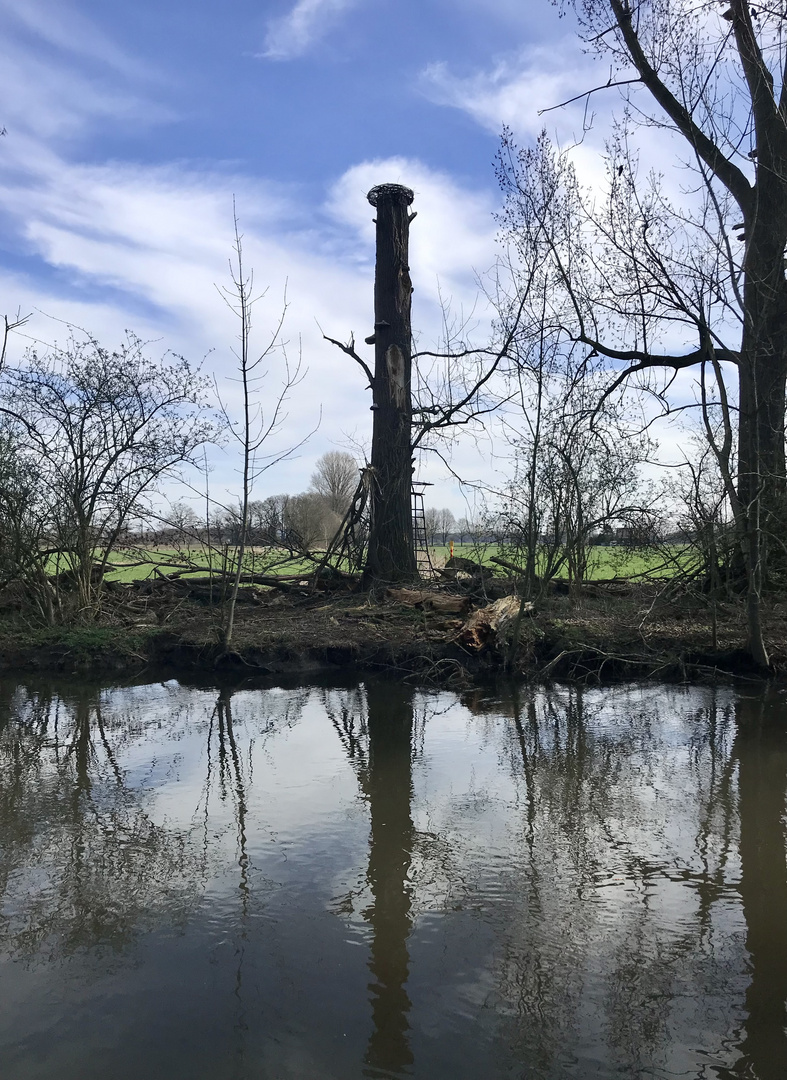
(115, 244)
(61, 77)
(61, 26)
(59, 103)
(512, 92)
(293, 34)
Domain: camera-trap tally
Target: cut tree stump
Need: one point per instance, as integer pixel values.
(490, 625)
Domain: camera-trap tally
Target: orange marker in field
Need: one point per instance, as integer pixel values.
(451, 548)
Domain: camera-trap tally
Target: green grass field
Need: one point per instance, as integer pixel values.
(605, 562)
(142, 563)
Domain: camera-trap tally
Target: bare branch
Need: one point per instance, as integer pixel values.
(349, 349)
(730, 175)
(655, 360)
(8, 327)
(586, 93)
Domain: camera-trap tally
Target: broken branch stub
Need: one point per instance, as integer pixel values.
(491, 625)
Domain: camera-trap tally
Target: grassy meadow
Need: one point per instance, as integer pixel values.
(139, 564)
(604, 562)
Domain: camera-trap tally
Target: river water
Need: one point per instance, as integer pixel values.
(371, 880)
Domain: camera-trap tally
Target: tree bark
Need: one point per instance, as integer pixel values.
(762, 382)
(391, 554)
(762, 486)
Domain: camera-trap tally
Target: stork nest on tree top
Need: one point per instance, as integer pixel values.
(394, 193)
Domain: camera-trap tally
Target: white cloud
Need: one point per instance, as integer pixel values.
(526, 93)
(453, 238)
(61, 25)
(59, 76)
(56, 104)
(513, 91)
(565, 92)
(123, 245)
(293, 34)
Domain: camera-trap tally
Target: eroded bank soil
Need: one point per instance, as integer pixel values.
(627, 635)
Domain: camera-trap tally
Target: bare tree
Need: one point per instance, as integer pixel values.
(261, 419)
(432, 525)
(584, 477)
(576, 452)
(335, 478)
(641, 273)
(183, 521)
(101, 429)
(409, 409)
(308, 522)
(438, 525)
(266, 520)
(445, 523)
(464, 529)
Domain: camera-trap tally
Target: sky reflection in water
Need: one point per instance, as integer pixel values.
(375, 881)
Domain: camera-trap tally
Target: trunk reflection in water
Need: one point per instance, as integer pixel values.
(376, 732)
(389, 789)
(375, 881)
(761, 752)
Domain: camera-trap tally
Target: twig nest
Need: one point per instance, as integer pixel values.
(390, 193)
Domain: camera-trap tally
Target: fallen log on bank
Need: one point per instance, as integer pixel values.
(426, 599)
(214, 587)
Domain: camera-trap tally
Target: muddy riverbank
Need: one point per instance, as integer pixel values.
(591, 638)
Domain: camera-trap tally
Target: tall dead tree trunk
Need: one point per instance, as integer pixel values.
(391, 554)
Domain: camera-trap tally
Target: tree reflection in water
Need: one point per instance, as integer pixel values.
(232, 783)
(605, 819)
(228, 776)
(389, 790)
(376, 728)
(82, 863)
(761, 753)
(577, 907)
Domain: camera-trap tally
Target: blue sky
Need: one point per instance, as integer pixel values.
(130, 127)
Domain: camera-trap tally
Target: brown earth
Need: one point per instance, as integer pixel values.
(628, 632)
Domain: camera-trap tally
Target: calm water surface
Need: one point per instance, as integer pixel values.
(376, 881)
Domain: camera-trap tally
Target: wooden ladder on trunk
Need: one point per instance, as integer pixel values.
(420, 539)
